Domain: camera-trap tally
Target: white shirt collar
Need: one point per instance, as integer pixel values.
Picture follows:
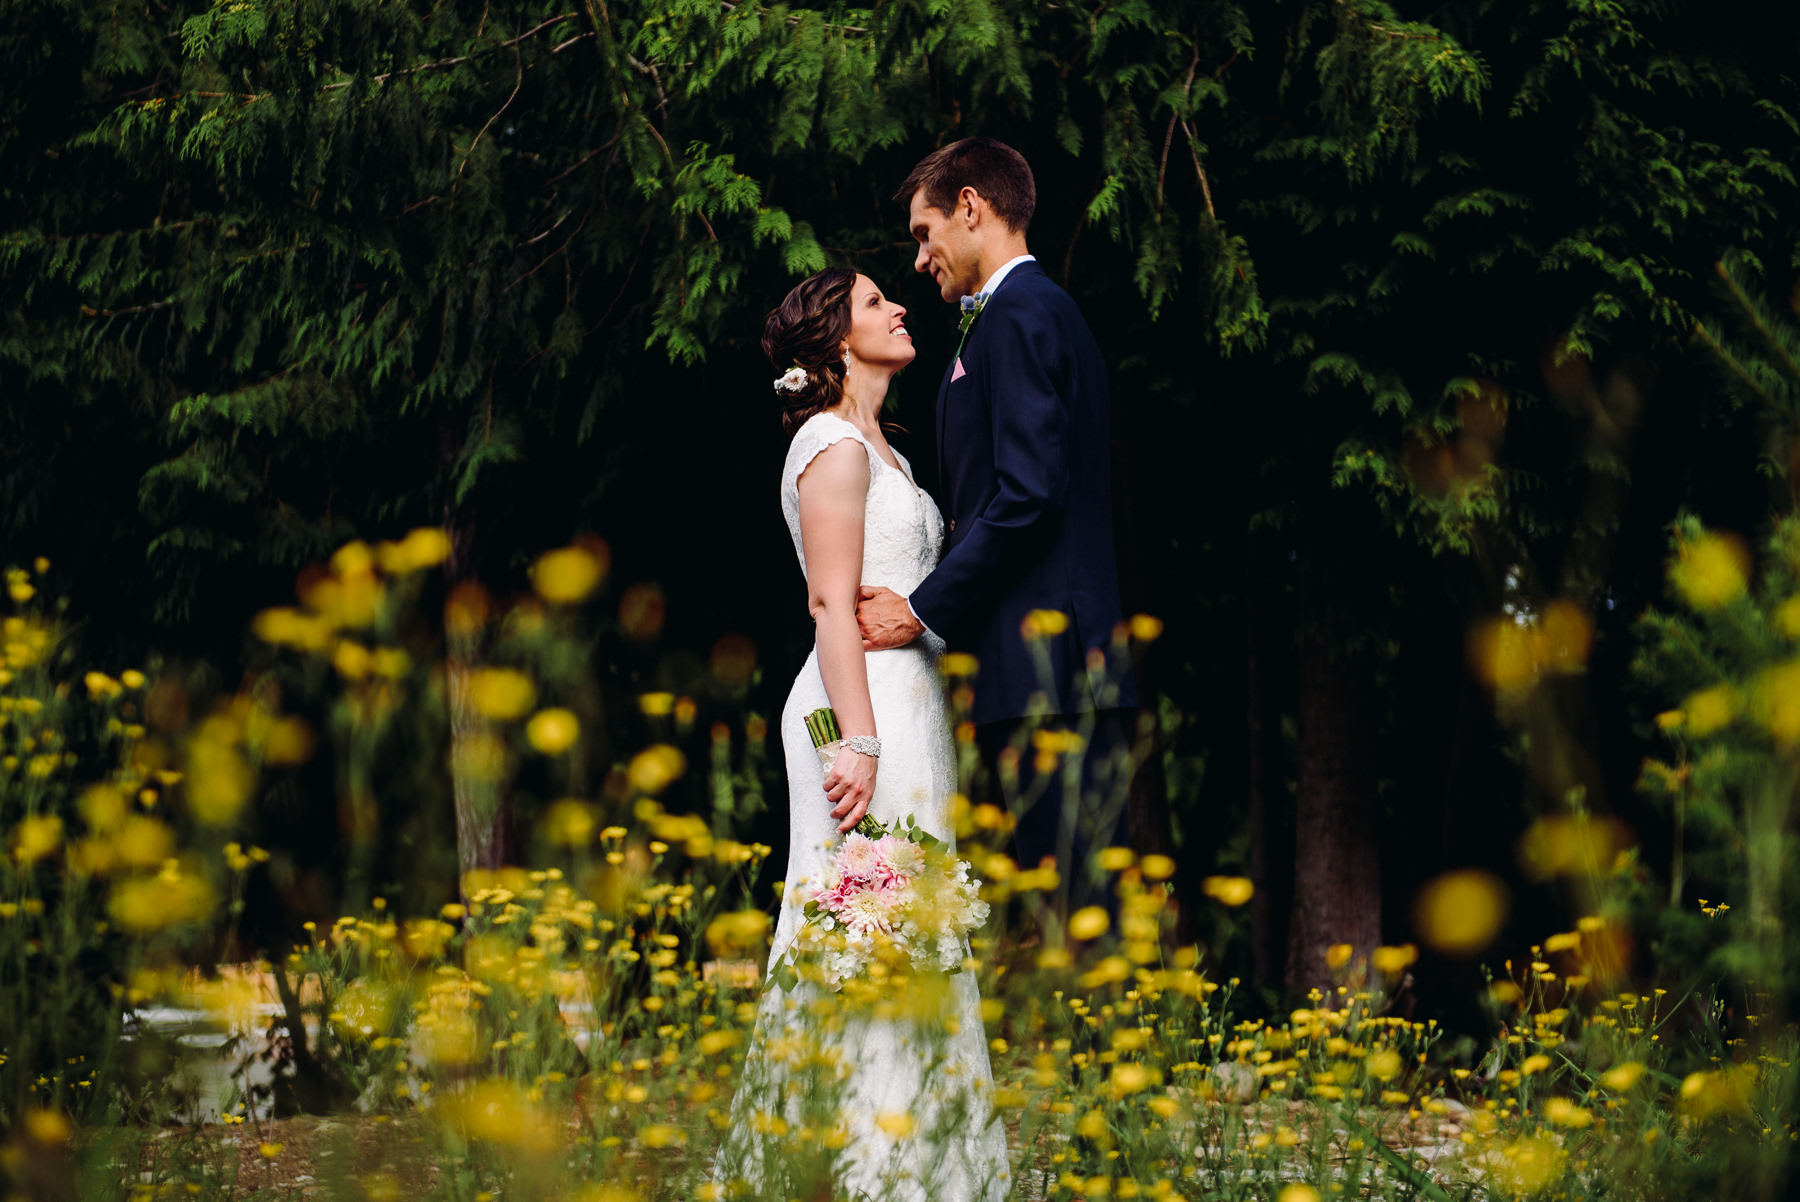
(1005, 269)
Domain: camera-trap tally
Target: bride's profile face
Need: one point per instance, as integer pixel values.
(878, 336)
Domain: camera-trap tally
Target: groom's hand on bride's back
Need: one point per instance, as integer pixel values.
(886, 619)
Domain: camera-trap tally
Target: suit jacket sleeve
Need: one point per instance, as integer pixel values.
(1021, 366)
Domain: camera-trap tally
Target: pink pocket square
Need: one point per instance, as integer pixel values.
(959, 373)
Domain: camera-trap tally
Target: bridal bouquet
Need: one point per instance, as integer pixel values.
(884, 891)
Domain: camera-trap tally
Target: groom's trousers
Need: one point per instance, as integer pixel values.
(1066, 788)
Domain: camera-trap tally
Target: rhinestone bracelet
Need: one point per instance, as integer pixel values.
(867, 745)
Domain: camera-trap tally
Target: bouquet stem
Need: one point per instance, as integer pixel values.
(828, 740)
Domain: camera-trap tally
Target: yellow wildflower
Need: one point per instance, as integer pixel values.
(1228, 890)
(568, 575)
(1090, 922)
(553, 731)
(503, 694)
(1461, 912)
(36, 837)
(1622, 1077)
(655, 768)
(1711, 570)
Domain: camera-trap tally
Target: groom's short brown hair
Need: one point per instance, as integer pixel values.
(995, 170)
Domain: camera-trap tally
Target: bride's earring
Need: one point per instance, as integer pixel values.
(846, 359)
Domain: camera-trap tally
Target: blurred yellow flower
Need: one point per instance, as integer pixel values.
(1043, 623)
(1711, 709)
(1564, 1113)
(1528, 1165)
(570, 822)
(1505, 653)
(1566, 635)
(354, 558)
(1297, 1193)
(655, 768)
(1338, 955)
(149, 903)
(1775, 701)
(288, 627)
(219, 780)
(611, 1192)
(1128, 1079)
(351, 659)
(553, 731)
(288, 741)
(1787, 618)
(501, 1112)
(1535, 1064)
(102, 808)
(655, 705)
(425, 938)
(661, 1135)
(1090, 922)
(48, 1126)
(1460, 912)
(101, 686)
(1392, 961)
(959, 663)
(898, 1124)
(1157, 867)
(1146, 629)
(1622, 1077)
(1726, 1090)
(423, 548)
(1384, 1065)
(1092, 1126)
(20, 590)
(568, 575)
(1115, 859)
(737, 932)
(36, 837)
(143, 842)
(503, 694)
(1228, 890)
(1711, 570)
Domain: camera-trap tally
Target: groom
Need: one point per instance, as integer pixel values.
(1023, 456)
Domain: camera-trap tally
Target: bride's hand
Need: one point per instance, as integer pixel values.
(849, 786)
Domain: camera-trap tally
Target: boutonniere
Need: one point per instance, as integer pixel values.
(971, 309)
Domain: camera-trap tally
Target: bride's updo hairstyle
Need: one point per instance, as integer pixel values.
(807, 330)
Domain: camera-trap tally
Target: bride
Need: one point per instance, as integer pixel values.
(890, 1101)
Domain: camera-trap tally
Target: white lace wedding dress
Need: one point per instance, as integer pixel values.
(892, 1068)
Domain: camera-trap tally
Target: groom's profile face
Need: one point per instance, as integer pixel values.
(947, 248)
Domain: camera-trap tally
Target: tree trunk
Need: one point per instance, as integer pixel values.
(483, 815)
(1337, 876)
(1265, 944)
(483, 819)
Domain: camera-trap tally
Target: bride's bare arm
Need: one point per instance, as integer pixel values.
(833, 492)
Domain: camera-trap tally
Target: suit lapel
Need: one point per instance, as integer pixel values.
(943, 411)
(943, 399)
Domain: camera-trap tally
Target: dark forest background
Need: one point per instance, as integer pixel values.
(1400, 302)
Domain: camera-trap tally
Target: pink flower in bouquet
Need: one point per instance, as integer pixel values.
(860, 857)
(902, 860)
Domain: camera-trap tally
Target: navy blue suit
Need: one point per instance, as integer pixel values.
(1024, 443)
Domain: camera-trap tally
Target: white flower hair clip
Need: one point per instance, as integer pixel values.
(791, 380)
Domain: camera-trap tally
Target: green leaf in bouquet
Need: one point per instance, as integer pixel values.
(784, 976)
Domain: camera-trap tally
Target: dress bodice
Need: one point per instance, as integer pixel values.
(902, 529)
